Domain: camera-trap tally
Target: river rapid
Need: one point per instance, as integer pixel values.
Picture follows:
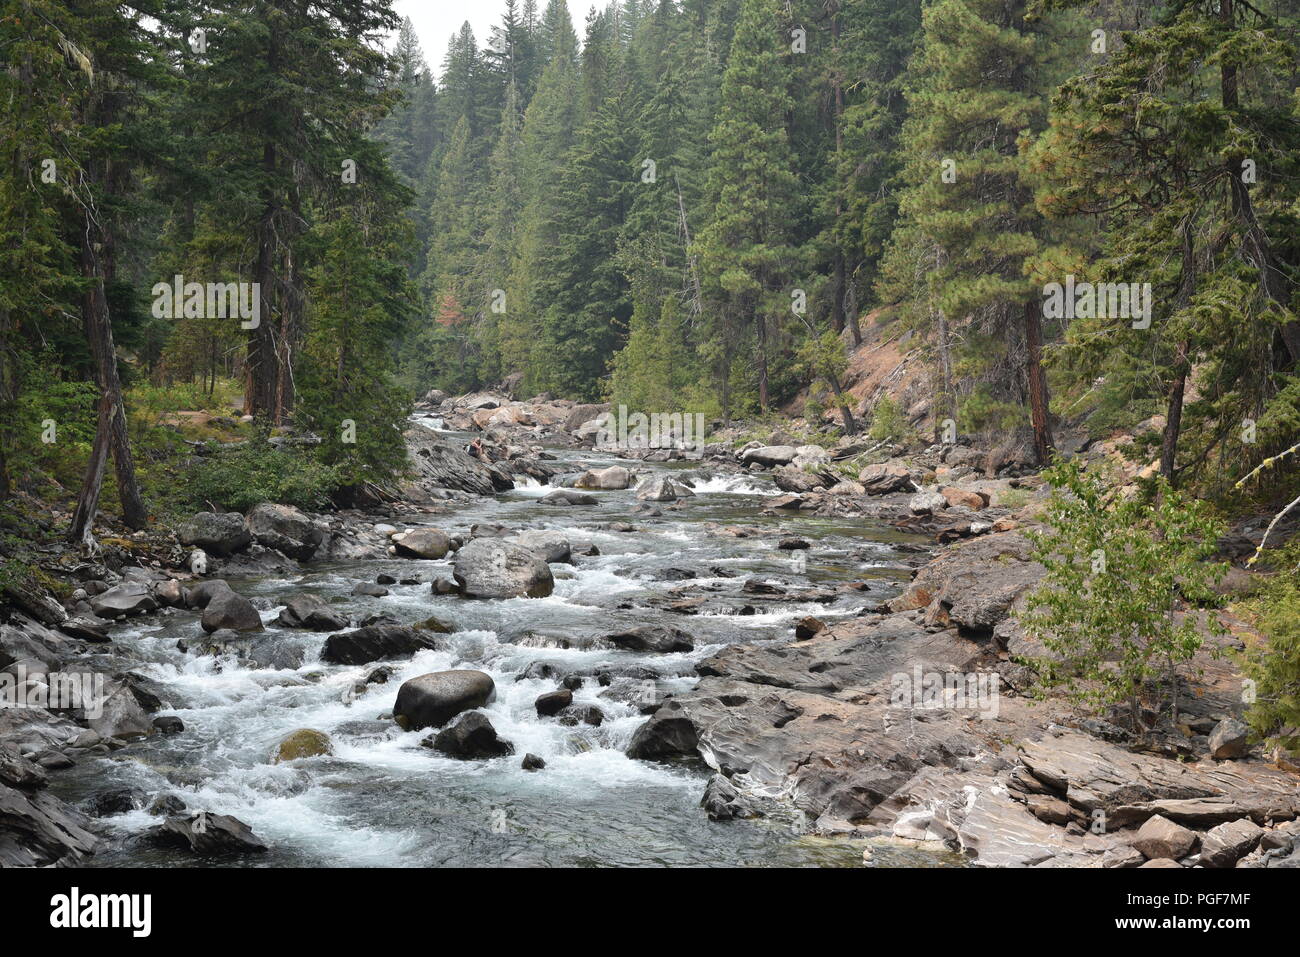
(383, 800)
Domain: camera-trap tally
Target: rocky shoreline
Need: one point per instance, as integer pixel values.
(810, 726)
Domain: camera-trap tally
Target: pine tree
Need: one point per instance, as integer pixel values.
(969, 226)
(745, 251)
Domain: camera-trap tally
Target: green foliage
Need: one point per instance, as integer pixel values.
(888, 424)
(1117, 570)
(1273, 663)
(238, 479)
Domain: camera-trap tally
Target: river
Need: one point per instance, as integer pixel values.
(383, 800)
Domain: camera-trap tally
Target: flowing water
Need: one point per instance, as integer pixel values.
(382, 799)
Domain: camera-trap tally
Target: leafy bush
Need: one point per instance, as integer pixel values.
(1274, 664)
(1116, 569)
(237, 479)
(887, 421)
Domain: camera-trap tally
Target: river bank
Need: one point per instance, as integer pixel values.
(708, 672)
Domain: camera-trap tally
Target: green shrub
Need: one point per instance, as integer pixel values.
(237, 479)
(1116, 570)
(1273, 665)
(887, 421)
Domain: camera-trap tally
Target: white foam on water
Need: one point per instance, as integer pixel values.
(731, 485)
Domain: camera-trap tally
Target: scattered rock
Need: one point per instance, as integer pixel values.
(470, 737)
(422, 542)
(553, 702)
(885, 478)
(303, 743)
(375, 643)
(532, 762)
(1160, 837)
(230, 610)
(128, 598)
(1226, 844)
(662, 489)
(1229, 740)
(660, 639)
(311, 612)
(208, 835)
(286, 529)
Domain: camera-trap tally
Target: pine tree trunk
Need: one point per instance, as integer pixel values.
(97, 267)
(1174, 416)
(82, 529)
(1038, 400)
(760, 322)
(263, 366)
(948, 402)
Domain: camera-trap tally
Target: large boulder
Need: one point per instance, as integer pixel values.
(303, 743)
(36, 828)
(608, 479)
(549, 545)
(656, 638)
(553, 702)
(311, 612)
(375, 643)
(219, 533)
(885, 478)
(422, 543)
(791, 478)
(285, 529)
(669, 733)
(201, 594)
(1226, 844)
(208, 835)
(662, 489)
(581, 415)
(1229, 740)
(431, 700)
(230, 610)
(1160, 837)
(810, 456)
(491, 568)
(471, 737)
(926, 503)
(128, 598)
(119, 714)
(770, 455)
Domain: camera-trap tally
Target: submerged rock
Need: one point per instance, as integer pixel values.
(311, 612)
(660, 639)
(303, 743)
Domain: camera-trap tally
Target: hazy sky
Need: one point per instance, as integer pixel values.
(436, 20)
